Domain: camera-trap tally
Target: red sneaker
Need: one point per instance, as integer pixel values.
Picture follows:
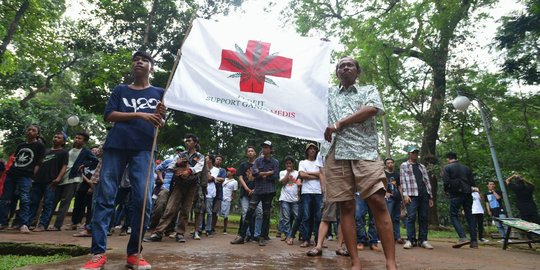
(96, 263)
(142, 265)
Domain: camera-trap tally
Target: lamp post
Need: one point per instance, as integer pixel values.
(461, 103)
(71, 121)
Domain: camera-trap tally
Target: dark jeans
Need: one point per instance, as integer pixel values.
(297, 221)
(418, 207)
(312, 209)
(83, 205)
(45, 192)
(362, 210)
(266, 200)
(63, 195)
(394, 209)
(13, 185)
(121, 209)
(456, 203)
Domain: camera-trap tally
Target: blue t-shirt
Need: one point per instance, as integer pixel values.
(135, 134)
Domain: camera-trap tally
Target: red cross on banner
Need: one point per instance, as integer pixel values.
(253, 66)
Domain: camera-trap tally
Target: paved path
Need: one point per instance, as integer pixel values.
(217, 253)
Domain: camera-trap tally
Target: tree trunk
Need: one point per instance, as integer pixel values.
(431, 122)
(149, 23)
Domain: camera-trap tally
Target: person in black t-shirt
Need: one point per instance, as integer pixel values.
(53, 168)
(28, 157)
(393, 197)
(524, 189)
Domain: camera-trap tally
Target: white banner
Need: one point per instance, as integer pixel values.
(262, 79)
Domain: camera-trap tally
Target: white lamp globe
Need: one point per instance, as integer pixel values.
(73, 120)
(461, 103)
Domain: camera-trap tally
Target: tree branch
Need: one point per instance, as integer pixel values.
(13, 27)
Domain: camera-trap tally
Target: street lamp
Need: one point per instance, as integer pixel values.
(71, 121)
(461, 103)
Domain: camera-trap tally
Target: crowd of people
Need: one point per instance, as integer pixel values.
(341, 189)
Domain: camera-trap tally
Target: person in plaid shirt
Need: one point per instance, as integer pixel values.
(417, 197)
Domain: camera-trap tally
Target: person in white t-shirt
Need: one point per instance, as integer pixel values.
(478, 213)
(210, 194)
(288, 200)
(230, 185)
(311, 198)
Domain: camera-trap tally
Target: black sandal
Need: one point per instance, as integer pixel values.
(314, 252)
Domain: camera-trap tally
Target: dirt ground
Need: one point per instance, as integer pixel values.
(217, 253)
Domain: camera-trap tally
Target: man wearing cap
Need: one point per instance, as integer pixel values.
(136, 111)
(417, 197)
(311, 198)
(230, 185)
(352, 160)
(266, 172)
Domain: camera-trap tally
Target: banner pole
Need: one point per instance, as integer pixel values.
(156, 131)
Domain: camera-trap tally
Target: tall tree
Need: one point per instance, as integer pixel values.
(405, 47)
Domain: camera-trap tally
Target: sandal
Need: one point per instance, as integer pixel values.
(304, 244)
(289, 241)
(84, 233)
(342, 252)
(314, 252)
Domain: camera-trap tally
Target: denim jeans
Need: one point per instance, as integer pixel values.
(209, 204)
(500, 227)
(418, 207)
(45, 192)
(298, 221)
(12, 184)
(360, 216)
(394, 209)
(121, 209)
(253, 230)
(114, 163)
(289, 212)
(456, 203)
(312, 209)
(266, 200)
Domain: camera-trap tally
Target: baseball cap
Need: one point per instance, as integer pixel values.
(269, 143)
(412, 148)
(232, 170)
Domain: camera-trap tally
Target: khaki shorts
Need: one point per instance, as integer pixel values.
(329, 212)
(346, 177)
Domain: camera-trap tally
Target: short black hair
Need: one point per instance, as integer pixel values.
(145, 55)
(289, 158)
(191, 136)
(84, 135)
(387, 159)
(36, 126)
(252, 147)
(355, 63)
(451, 155)
(212, 158)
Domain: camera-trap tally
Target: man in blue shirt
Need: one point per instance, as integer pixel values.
(266, 173)
(136, 111)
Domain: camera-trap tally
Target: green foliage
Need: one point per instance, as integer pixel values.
(8, 262)
(518, 37)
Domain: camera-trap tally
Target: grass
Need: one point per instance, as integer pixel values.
(8, 262)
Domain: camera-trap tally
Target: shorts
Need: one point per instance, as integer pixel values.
(329, 212)
(225, 209)
(346, 177)
(216, 206)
